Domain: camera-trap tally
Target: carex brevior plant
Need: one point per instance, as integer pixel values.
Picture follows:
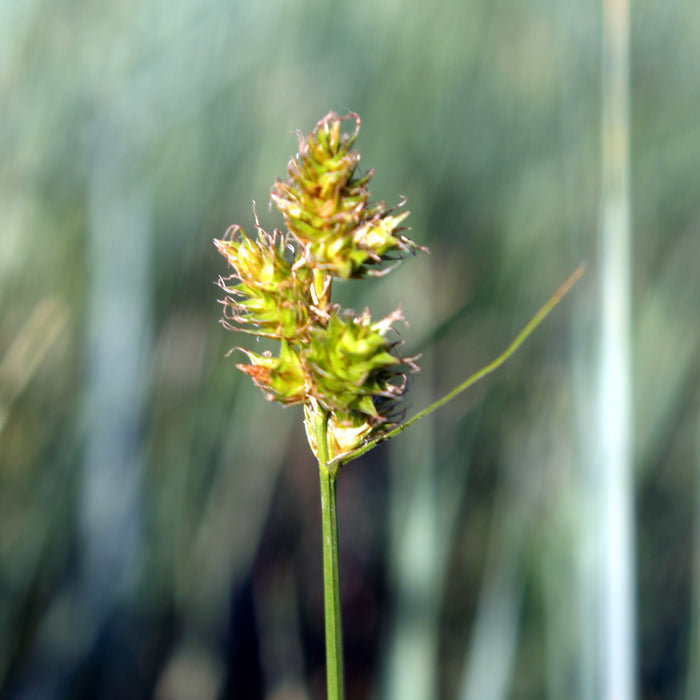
(345, 369)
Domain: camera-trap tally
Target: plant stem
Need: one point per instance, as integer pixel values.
(490, 367)
(335, 675)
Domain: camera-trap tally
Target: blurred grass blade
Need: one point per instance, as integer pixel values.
(612, 465)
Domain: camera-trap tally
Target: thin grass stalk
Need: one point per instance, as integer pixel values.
(480, 374)
(335, 673)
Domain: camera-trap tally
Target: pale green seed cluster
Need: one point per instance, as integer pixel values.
(330, 359)
(325, 204)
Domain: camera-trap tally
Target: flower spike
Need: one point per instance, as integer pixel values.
(334, 362)
(325, 205)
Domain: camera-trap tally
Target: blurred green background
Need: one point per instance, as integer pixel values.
(159, 521)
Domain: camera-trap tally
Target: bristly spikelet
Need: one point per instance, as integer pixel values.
(352, 365)
(326, 207)
(268, 298)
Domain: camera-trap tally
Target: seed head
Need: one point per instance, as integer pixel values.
(326, 207)
(351, 365)
(265, 295)
(338, 364)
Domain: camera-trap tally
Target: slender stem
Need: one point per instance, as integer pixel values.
(335, 674)
(494, 364)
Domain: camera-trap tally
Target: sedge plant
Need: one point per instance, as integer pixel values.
(343, 367)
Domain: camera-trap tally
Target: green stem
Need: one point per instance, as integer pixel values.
(331, 572)
(494, 364)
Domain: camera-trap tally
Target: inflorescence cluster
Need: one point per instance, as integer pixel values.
(330, 359)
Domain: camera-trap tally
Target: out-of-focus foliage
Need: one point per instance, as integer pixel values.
(159, 528)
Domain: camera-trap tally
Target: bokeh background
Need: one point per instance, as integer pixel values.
(159, 521)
